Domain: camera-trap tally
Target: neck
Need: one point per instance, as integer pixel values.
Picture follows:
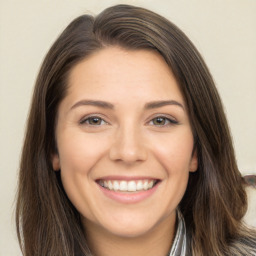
(157, 241)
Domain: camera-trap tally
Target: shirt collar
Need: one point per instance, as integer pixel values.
(179, 246)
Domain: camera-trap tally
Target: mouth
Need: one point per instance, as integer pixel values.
(128, 190)
(128, 186)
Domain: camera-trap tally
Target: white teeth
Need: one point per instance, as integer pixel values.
(131, 186)
(127, 186)
(109, 185)
(139, 186)
(145, 185)
(123, 186)
(116, 185)
(150, 184)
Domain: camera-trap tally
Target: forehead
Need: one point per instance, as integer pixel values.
(114, 72)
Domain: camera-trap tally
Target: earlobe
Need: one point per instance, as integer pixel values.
(55, 162)
(194, 162)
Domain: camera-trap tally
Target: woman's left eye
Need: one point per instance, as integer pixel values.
(94, 121)
(162, 121)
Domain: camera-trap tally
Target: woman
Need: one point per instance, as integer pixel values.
(127, 150)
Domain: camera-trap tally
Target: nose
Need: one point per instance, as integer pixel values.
(128, 146)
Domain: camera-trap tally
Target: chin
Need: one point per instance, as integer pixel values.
(130, 231)
(133, 225)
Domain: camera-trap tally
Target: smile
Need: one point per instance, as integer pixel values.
(128, 190)
(127, 186)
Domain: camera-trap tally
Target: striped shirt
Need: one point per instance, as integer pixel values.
(179, 246)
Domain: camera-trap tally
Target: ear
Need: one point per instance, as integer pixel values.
(194, 161)
(55, 162)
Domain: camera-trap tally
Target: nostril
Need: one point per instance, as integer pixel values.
(128, 153)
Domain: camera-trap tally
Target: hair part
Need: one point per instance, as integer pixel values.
(48, 223)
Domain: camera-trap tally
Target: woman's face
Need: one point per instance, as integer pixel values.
(125, 145)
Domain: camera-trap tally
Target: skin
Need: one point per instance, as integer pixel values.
(127, 141)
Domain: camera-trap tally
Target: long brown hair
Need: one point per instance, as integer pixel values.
(215, 201)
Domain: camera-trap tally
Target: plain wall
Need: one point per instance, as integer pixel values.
(223, 30)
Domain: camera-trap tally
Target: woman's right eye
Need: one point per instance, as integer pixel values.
(93, 121)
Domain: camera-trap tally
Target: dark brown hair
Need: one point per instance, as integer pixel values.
(215, 201)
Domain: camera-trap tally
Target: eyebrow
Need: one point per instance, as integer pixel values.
(97, 103)
(162, 103)
(107, 105)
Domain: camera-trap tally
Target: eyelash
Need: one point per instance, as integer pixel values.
(167, 121)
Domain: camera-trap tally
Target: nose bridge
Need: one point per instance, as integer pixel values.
(128, 145)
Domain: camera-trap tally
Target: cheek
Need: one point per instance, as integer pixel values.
(174, 151)
(79, 155)
(174, 154)
(79, 152)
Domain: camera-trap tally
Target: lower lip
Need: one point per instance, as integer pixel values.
(129, 198)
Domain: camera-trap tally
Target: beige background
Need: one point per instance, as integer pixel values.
(223, 30)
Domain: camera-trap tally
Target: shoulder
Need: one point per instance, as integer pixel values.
(245, 244)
